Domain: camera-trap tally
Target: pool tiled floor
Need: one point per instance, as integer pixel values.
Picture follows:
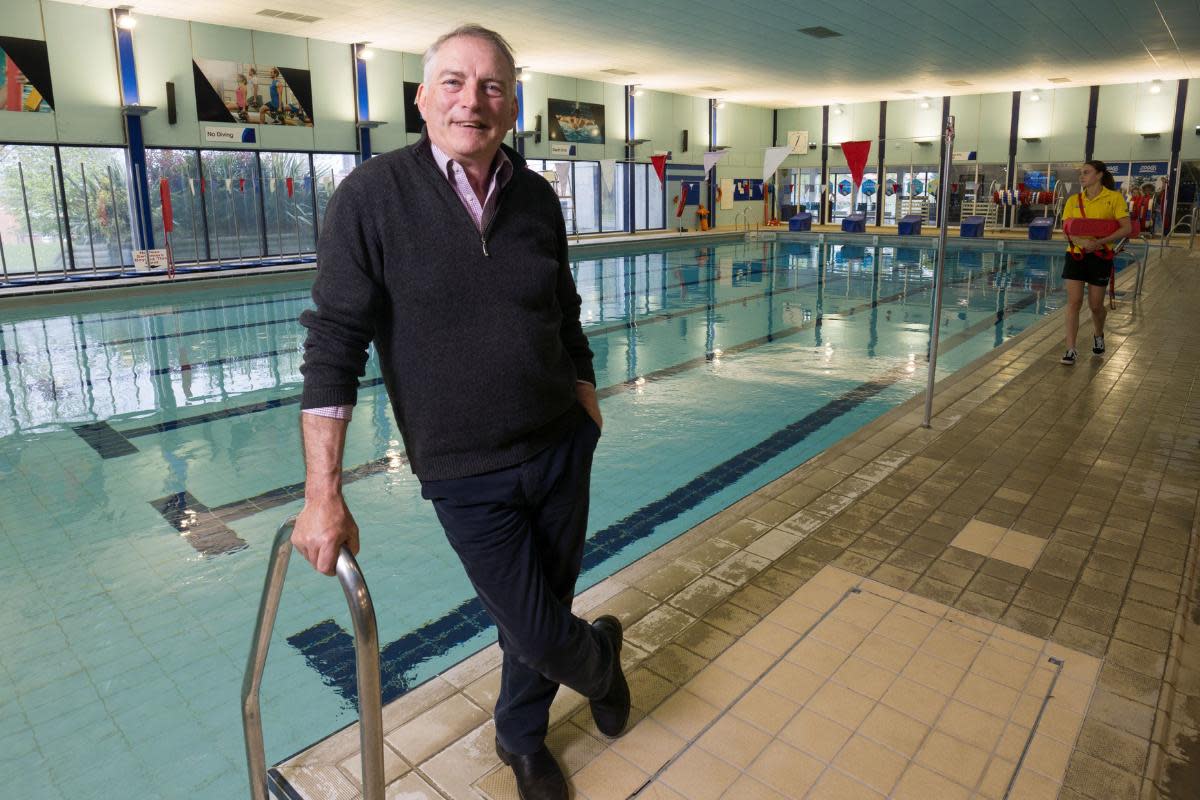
(881, 621)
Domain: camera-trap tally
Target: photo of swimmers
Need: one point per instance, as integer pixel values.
(24, 76)
(228, 91)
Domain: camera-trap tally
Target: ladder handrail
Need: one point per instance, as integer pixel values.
(366, 656)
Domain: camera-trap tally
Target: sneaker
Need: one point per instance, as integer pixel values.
(1098, 345)
(1069, 357)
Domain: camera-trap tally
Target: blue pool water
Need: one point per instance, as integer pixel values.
(149, 450)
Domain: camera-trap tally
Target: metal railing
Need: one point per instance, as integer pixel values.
(366, 656)
(744, 216)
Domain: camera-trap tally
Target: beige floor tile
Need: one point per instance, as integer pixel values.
(771, 638)
(745, 660)
(836, 579)
(1032, 786)
(992, 697)
(484, 690)
(1002, 669)
(608, 777)
(1072, 695)
(766, 710)
(773, 544)
(884, 652)
(895, 730)
(1023, 541)
(699, 775)
(323, 781)
(409, 705)
(940, 676)
(792, 681)
(431, 731)
(573, 747)
(995, 778)
(1012, 741)
(842, 705)
(914, 700)
(649, 745)
(746, 788)
(717, 686)
(815, 734)
(393, 766)
(864, 677)
(499, 784)
(1048, 757)
(1006, 551)
(685, 714)
(412, 787)
(786, 769)
(459, 766)
(951, 647)
(675, 664)
(955, 759)
(647, 690)
(906, 626)
(842, 635)
(817, 656)
(660, 791)
(794, 616)
(978, 537)
(734, 741)
(818, 596)
(971, 725)
(834, 785)
(919, 783)
(871, 763)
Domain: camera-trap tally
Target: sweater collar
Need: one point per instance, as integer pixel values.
(425, 145)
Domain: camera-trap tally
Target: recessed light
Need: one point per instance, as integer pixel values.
(819, 32)
(1034, 96)
(923, 104)
(959, 83)
(836, 111)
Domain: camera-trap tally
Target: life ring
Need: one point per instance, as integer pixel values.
(718, 194)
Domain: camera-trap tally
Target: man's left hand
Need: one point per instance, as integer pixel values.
(585, 393)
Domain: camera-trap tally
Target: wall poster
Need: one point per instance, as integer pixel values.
(579, 123)
(412, 115)
(25, 79)
(259, 94)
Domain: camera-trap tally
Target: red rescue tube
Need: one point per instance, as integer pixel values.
(164, 192)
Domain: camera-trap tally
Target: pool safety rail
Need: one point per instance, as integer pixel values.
(366, 654)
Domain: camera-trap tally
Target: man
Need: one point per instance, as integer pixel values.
(451, 256)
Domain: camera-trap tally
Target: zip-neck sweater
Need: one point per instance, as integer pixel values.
(477, 332)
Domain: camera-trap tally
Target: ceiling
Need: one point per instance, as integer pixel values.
(752, 50)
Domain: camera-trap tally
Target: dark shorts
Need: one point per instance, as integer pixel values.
(1092, 268)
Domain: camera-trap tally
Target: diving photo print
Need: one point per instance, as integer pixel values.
(255, 94)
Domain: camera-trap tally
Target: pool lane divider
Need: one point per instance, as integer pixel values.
(329, 649)
(266, 405)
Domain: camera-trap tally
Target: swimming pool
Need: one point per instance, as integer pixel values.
(149, 449)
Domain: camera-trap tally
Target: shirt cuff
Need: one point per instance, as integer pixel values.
(331, 412)
(586, 383)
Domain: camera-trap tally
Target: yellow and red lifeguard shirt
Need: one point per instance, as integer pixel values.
(1109, 204)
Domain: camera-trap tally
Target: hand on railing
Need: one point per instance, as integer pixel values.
(321, 530)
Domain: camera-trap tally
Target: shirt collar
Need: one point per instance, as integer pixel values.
(501, 167)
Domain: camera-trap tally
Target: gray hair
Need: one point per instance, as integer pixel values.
(474, 31)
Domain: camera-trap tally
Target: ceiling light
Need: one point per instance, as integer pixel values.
(365, 52)
(1059, 80)
(719, 104)
(618, 72)
(1155, 87)
(1151, 135)
(125, 20)
(1034, 96)
(522, 74)
(836, 111)
(637, 91)
(924, 104)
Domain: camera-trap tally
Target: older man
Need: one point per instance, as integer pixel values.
(451, 256)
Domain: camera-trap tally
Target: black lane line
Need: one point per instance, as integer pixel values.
(202, 529)
(201, 332)
(167, 312)
(104, 439)
(217, 362)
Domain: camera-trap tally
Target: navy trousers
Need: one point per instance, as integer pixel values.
(519, 532)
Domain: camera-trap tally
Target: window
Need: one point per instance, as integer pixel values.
(180, 168)
(230, 204)
(94, 181)
(30, 224)
(329, 169)
(288, 212)
(587, 196)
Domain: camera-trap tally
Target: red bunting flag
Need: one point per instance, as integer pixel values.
(164, 192)
(856, 158)
(289, 187)
(660, 167)
(241, 184)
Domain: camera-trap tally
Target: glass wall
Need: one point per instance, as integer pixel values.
(96, 203)
(588, 205)
(230, 204)
(329, 169)
(31, 225)
(288, 203)
(180, 168)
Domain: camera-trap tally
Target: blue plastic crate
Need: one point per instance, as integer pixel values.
(910, 225)
(971, 228)
(801, 222)
(1041, 229)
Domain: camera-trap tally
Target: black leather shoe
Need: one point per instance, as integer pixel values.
(538, 775)
(611, 711)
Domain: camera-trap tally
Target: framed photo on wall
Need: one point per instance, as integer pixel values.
(576, 122)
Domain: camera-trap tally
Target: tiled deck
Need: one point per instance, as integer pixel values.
(881, 621)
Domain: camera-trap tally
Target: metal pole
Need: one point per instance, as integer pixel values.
(278, 215)
(57, 219)
(216, 230)
(112, 196)
(143, 224)
(28, 221)
(233, 211)
(296, 214)
(936, 324)
(87, 213)
(3, 260)
(366, 651)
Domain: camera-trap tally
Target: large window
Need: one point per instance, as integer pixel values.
(97, 207)
(180, 168)
(288, 203)
(230, 204)
(329, 169)
(31, 225)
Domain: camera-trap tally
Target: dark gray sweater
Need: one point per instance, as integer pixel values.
(478, 336)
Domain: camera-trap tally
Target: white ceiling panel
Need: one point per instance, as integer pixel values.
(753, 49)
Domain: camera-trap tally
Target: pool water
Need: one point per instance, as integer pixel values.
(149, 449)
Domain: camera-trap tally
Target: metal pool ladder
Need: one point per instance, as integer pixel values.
(366, 657)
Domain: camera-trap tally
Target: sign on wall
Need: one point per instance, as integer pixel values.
(258, 94)
(562, 149)
(798, 141)
(229, 135)
(572, 121)
(25, 80)
(412, 115)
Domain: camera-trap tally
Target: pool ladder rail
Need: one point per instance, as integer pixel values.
(366, 657)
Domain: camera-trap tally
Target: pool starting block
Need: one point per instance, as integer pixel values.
(801, 222)
(971, 228)
(910, 225)
(1041, 229)
(855, 223)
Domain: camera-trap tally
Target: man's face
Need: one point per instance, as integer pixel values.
(469, 103)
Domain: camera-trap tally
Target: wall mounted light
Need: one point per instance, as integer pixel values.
(1155, 86)
(837, 111)
(125, 19)
(1151, 136)
(719, 104)
(1035, 96)
(924, 104)
(365, 52)
(522, 74)
(637, 90)
(1031, 139)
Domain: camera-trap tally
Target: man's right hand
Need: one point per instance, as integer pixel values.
(321, 529)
